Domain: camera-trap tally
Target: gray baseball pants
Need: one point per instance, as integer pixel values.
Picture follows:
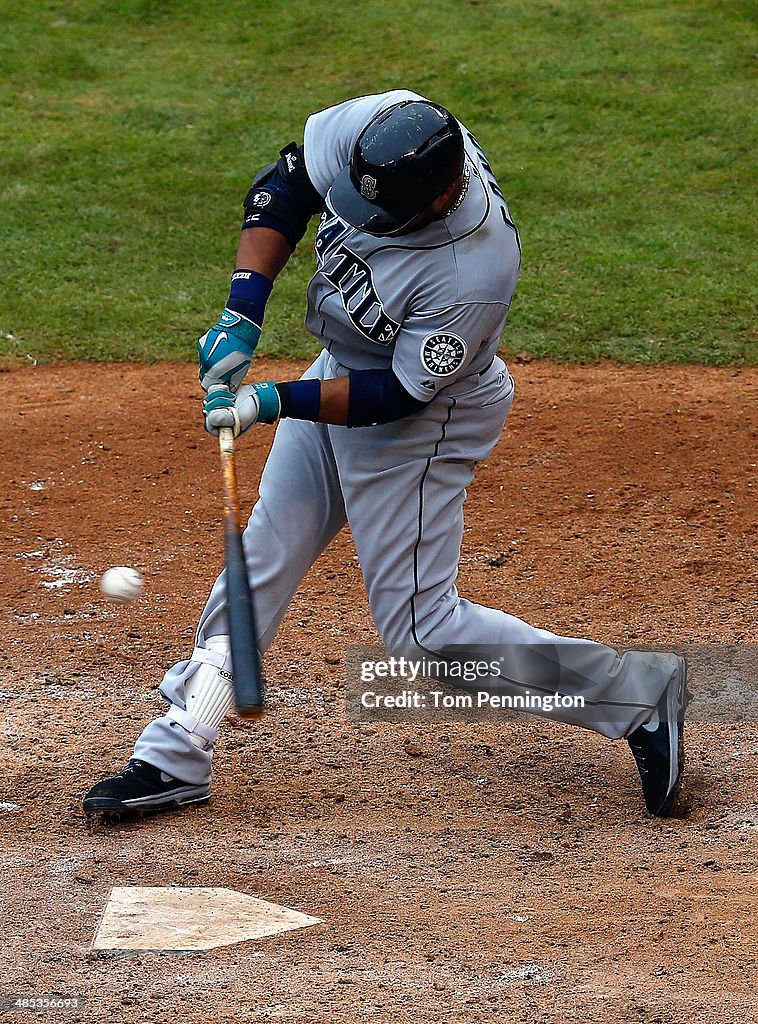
(401, 488)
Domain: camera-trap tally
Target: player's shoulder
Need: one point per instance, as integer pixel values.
(375, 100)
(350, 116)
(486, 244)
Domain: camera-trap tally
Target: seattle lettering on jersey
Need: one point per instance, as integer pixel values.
(352, 278)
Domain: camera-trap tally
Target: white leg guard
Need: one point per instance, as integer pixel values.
(208, 694)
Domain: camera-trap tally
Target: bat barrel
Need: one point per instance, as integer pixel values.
(248, 690)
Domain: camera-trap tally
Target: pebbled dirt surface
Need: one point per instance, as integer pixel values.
(480, 872)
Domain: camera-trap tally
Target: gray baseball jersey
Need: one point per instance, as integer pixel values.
(432, 304)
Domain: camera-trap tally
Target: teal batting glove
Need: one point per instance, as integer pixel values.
(219, 411)
(226, 350)
(253, 403)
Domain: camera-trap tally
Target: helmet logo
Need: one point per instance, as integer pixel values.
(368, 187)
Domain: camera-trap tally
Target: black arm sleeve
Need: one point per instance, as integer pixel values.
(377, 396)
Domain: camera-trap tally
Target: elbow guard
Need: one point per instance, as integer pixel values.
(282, 197)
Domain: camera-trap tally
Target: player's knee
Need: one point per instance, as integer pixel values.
(404, 633)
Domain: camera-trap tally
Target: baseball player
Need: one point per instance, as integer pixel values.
(417, 259)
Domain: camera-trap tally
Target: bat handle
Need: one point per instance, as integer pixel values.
(229, 473)
(226, 441)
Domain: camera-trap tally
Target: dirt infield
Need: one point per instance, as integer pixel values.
(469, 873)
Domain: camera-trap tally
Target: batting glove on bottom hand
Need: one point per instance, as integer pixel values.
(253, 403)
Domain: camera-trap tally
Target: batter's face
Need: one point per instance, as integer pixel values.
(436, 210)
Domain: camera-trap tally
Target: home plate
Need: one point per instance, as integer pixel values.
(156, 917)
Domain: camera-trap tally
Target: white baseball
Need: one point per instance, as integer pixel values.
(121, 584)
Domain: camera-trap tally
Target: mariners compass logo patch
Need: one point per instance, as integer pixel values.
(442, 354)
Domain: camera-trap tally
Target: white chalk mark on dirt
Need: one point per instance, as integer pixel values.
(59, 572)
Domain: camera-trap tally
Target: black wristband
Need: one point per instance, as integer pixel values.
(249, 294)
(300, 399)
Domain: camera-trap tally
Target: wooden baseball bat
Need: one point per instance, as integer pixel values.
(248, 689)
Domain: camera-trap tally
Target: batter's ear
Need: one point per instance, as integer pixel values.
(449, 196)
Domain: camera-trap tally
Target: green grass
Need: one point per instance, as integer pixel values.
(620, 132)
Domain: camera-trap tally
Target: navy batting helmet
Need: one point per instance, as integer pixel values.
(403, 159)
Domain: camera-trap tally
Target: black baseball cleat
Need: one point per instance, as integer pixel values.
(141, 786)
(659, 752)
